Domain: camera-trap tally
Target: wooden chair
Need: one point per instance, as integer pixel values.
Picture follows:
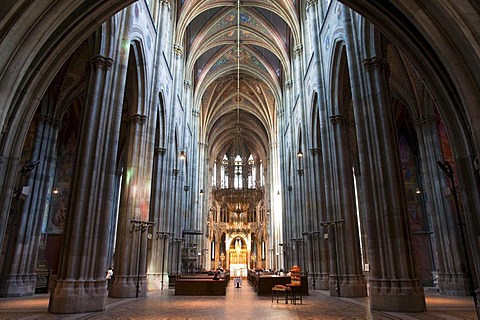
(279, 291)
(295, 286)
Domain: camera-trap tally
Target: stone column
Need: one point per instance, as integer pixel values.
(203, 181)
(352, 281)
(327, 188)
(276, 220)
(178, 72)
(298, 213)
(159, 8)
(191, 169)
(321, 256)
(156, 258)
(287, 178)
(173, 218)
(26, 217)
(321, 154)
(393, 285)
(81, 285)
(130, 239)
(163, 27)
(452, 276)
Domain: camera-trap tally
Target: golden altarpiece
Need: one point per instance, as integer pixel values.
(238, 217)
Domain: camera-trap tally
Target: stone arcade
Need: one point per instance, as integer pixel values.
(169, 137)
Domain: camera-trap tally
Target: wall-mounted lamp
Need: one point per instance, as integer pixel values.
(55, 190)
(182, 155)
(201, 192)
(417, 191)
(300, 153)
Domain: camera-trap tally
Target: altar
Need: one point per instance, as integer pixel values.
(238, 270)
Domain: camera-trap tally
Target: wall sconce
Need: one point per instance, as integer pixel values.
(55, 190)
(300, 153)
(182, 155)
(201, 192)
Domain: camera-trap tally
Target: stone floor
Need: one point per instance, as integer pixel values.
(239, 303)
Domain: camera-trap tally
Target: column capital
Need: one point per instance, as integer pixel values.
(311, 3)
(298, 50)
(288, 84)
(338, 119)
(175, 172)
(160, 151)
(165, 3)
(178, 49)
(54, 122)
(314, 151)
(187, 84)
(376, 63)
(426, 120)
(101, 62)
(138, 119)
(476, 163)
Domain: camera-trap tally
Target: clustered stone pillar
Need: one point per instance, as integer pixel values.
(24, 228)
(352, 282)
(128, 264)
(452, 278)
(81, 284)
(393, 285)
(321, 255)
(156, 252)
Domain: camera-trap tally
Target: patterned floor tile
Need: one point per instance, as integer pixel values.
(239, 303)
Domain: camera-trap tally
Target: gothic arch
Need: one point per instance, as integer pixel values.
(315, 122)
(161, 119)
(137, 99)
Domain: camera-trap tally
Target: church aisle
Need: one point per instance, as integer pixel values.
(239, 303)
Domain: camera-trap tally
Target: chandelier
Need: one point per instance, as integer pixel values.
(238, 200)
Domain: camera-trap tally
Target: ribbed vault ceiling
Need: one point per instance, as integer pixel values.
(209, 31)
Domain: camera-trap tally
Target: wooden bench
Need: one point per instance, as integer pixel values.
(200, 287)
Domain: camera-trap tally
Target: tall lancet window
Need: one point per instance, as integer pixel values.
(238, 173)
(252, 173)
(223, 175)
(262, 175)
(214, 174)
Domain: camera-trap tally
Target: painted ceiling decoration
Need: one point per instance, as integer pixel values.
(245, 44)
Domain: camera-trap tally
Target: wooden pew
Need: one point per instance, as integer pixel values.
(194, 287)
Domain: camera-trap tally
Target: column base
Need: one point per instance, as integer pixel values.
(455, 284)
(78, 296)
(18, 285)
(155, 281)
(404, 295)
(126, 287)
(322, 281)
(351, 286)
